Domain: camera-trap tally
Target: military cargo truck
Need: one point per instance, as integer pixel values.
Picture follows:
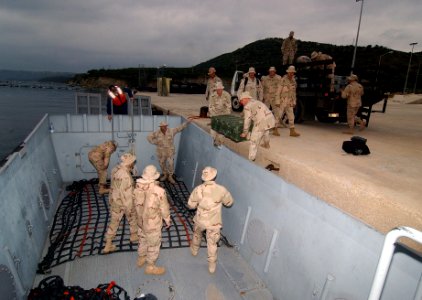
(318, 94)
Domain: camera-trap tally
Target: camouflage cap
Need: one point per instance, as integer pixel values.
(149, 175)
(219, 86)
(353, 77)
(163, 124)
(251, 70)
(211, 70)
(209, 173)
(291, 69)
(272, 69)
(127, 158)
(245, 95)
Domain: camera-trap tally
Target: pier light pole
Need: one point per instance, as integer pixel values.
(408, 68)
(357, 38)
(417, 75)
(379, 65)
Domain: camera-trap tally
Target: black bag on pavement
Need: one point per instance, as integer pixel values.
(356, 146)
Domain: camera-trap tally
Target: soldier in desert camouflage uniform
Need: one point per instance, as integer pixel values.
(270, 86)
(252, 85)
(353, 93)
(211, 83)
(286, 100)
(208, 198)
(121, 201)
(220, 104)
(99, 157)
(263, 120)
(289, 48)
(151, 208)
(164, 139)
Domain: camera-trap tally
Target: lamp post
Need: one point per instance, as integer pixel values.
(379, 66)
(417, 75)
(408, 68)
(357, 38)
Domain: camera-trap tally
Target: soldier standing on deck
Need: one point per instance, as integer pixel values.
(252, 85)
(99, 157)
(353, 92)
(286, 99)
(211, 83)
(164, 139)
(208, 198)
(121, 201)
(270, 86)
(151, 208)
(220, 104)
(263, 120)
(288, 49)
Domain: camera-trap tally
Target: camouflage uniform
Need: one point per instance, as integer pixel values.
(270, 85)
(211, 84)
(99, 157)
(220, 105)
(263, 121)
(208, 198)
(151, 208)
(288, 48)
(165, 148)
(285, 100)
(121, 199)
(353, 92)
(253, 86)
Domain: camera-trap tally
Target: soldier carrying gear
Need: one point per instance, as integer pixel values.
(164, 139)
(121, 201)
(288, 49)
(270, 86)
(211, 83)
(263, 120)
(286, 99)
(99, 157)
(252, 85)
(208, 198)
(220, 104)
(353, 92)
(151, 208)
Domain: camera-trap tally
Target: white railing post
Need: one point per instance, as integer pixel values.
(386, 256)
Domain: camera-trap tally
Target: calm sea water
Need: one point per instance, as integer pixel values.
(21, 108)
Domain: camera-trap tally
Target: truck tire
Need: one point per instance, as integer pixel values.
(236, 106)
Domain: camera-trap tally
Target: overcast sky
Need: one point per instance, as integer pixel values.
(78, 35)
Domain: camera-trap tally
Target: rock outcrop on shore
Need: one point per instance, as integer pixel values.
(97, 82)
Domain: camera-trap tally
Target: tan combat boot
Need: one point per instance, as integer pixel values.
(275, 132)
(109, 247)
(193, 251)
(211, 266)
(141, 261)
(134, 238)
(164, 177)
(294, 133)
(154, 270)
(362, 125)
(349, 131)
(103, 189)
(171, 179)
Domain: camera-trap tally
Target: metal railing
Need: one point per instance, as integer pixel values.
(386, 256)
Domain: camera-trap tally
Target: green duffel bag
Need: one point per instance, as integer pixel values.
(228, 125)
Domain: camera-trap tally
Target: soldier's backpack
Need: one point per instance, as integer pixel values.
(356, 146)
(246, 82)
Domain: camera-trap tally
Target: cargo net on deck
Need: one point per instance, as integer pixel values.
(80, 224)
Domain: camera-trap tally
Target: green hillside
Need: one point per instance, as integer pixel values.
(264, 53)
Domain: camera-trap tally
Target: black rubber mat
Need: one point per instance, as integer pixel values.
(81, 221)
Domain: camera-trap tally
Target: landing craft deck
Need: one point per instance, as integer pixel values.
(382, 189)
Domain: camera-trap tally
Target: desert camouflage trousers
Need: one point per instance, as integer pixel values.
(149, 244)
(213, 236)
(166, 160)
(280, 109)
(288, 57)
(101, 169)
(117, 212)
(257, 135)
(351, 116)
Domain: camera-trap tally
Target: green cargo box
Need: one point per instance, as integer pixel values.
(228, 125)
